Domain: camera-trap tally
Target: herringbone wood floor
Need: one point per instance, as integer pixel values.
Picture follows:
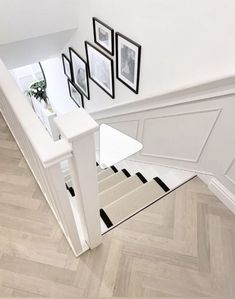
(184, 245)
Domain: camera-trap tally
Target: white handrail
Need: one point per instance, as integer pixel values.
(44, 157)
(48, 151)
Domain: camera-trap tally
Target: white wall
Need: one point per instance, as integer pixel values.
(184, 42)
(30, 18)
(57, 88)
(191, 131)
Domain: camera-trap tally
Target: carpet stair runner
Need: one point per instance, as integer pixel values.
(121, 194)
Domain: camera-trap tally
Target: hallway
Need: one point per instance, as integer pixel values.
(184, 245)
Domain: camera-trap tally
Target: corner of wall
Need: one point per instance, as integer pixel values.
(222, 193)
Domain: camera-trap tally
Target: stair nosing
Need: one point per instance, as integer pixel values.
(115, 170)
(161, 184)
(141, 177)
(127, 174)
(105, 218)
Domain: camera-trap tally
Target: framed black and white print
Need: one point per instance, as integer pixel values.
(103, 35)
(128, 62)
(75, 95)
(67, 66)
(79, 73)
(100, 69)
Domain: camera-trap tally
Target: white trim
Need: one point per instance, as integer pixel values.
(179, 114)
(48, 151)
(186, 94)
(223, 194)
(226, 172)
(217, 95)
(196, 172)
(206, 178)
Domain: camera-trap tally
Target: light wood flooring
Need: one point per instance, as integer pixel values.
(184, 245)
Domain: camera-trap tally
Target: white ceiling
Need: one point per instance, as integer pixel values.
(23, 19)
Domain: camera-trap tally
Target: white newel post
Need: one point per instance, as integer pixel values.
(79, 128)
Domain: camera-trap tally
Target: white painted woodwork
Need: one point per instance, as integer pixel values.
(166, 132)
(189, 129)
(43, 155)
(187, 94)
(230, 172)
(223, 193)
(79, 129)
(62, 202)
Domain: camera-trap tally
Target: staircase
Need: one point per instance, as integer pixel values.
(125, 191)
(122, 195)
(86, 199)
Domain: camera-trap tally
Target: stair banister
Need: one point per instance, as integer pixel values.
(79, 128)
(43, 155)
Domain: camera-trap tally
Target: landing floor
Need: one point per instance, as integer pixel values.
(184, 245)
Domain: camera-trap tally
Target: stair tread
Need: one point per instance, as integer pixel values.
(105, 173)
(115, 192)
(135, 200)
(99, 169)
(111, 180)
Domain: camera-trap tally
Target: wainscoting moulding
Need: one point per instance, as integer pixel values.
(203, 144)
(232, 180)
(207, 91)
(186, 94)
(227, 197)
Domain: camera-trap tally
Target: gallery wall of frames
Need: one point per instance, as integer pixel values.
(99, 64)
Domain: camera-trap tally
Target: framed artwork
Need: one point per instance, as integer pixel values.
(75, 95)
(100, 69)
(103, 35)
(67, 66)
(128, 62)
(79, 73)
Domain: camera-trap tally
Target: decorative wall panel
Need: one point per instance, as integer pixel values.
(178, 136)
(230, 173)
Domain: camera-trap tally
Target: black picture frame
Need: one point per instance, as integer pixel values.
(66, 66)
(101, 69)
(73, 89)
(79, 73)
(128, 59)
(105, 32)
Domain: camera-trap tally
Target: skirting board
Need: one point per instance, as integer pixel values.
(223, 194)
(206, 178)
